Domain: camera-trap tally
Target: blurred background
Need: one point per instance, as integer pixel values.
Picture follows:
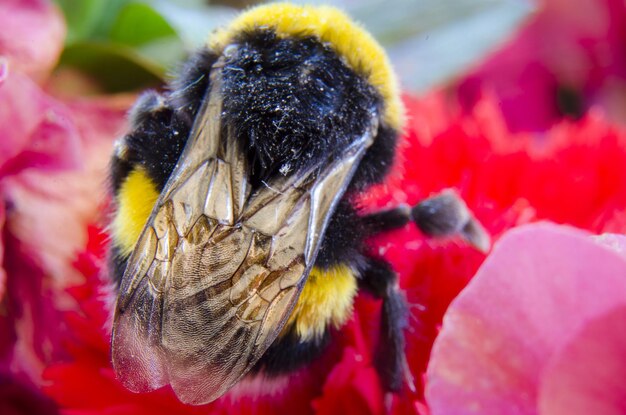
(553, 58)
(428, 40)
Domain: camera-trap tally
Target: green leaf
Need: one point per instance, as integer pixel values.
(116, 68)
(166, 53)
(141, 27)
(139, 24)
(89, 19)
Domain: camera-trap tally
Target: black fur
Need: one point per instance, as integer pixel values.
(289, 353)
(343, 240)
(191, 85)
(377, 160)
(155, 143)
(119, 169)
(160, 124)
(117, 264)
(294, 102)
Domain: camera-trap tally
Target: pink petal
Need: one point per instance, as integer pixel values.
(587, 376)
(541, 285)
(614, 242)
(36, 131)
(32, 35)
(47, 217)
(584, 54)
(3, 275)
(48, 207)
(30, 322)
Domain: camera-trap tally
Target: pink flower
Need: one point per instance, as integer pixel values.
(541, 329)
(48, 205)
(53, 157)
(567, 59)
(32, 36)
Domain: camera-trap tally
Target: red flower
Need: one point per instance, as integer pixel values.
(540, 329)
(17, 398)
(572, 176)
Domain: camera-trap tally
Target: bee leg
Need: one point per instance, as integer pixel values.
(444, 214)
(390, 360)
(154, 142)
(387, 220)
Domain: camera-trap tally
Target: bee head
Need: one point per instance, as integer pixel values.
(301, 82)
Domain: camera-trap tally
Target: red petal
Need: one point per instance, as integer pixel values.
(352, 387)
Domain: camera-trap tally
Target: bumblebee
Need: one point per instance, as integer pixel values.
(235, 242)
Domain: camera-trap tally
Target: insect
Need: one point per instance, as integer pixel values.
(235, 243)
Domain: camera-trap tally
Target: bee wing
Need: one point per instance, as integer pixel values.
(217, 271)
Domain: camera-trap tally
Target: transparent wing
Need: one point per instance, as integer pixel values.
(217, 270)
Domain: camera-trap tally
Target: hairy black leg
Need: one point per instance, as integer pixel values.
(154, 143)
(387, 220)
(390, 360)
(444, 214)
(160, 124)
(447, 214)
